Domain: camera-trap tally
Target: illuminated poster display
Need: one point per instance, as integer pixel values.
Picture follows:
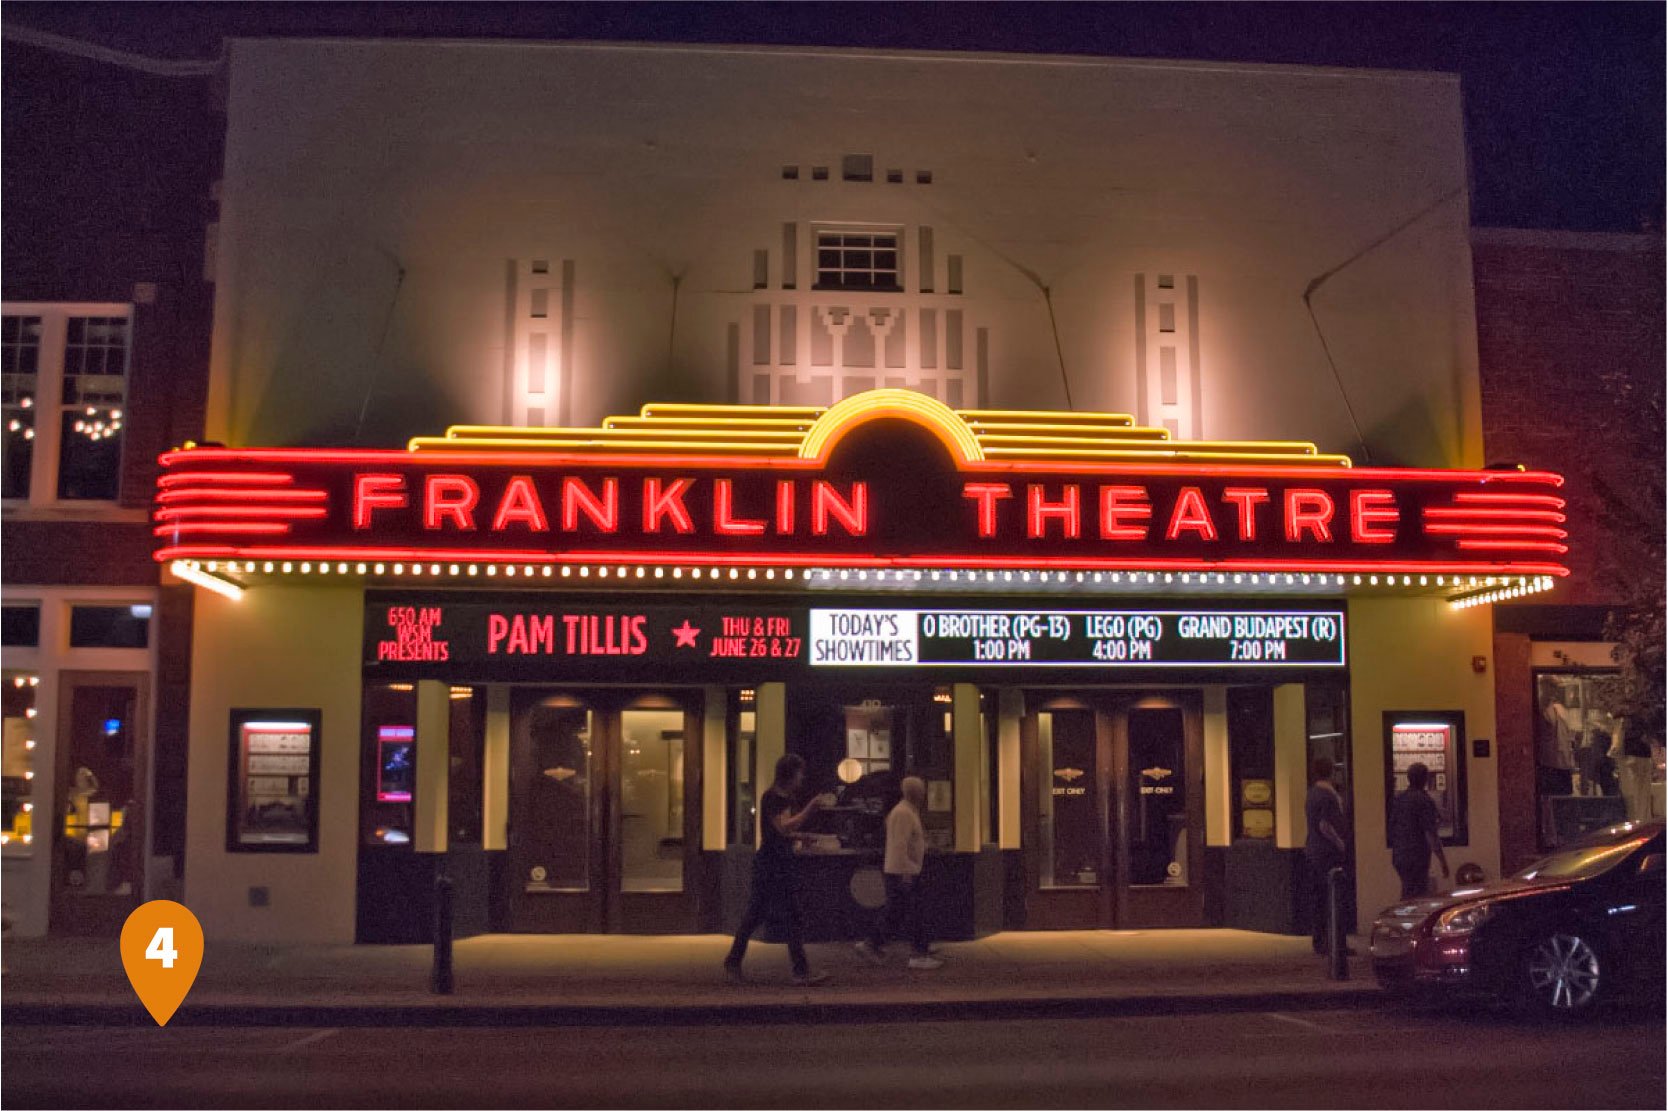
(396, 763)
(1434, 739)
(272, 803)
(536, 638)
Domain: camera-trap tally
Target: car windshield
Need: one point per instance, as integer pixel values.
(1582, 861)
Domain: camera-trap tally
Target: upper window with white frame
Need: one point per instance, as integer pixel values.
(859, 259)
(63, 387)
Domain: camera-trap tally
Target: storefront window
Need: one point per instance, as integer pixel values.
(1158, 833)
(935, 763)
(1068, 801)
(1251, 751)
(1590, 772)
(743, 734)
(17, 833)
(391, 752)
(467, 737)
(869, 736)
(651, 800)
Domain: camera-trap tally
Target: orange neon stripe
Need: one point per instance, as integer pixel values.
(180, 528)
(1088, 563)
(168, 459)
(387, 457)
(220, 512)
(1518, 545)
(1502, 529)
(227, 493)
(1537, 499)
(1478, 513)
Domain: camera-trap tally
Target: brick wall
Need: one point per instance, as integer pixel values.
(1562, 321)
(1559, 317)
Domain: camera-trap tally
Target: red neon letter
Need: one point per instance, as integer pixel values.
(1190, 514)
(724, 520)
(376, 491)
(520, 503)
(784, 507)
(453, 496)
(1367, 509)
(987, 494)
(1068, 511)
(666, 502)
(1311, 510)
(853, 514)
(1121, 503)
(1247, 499)
(604, 512)
(498, 627)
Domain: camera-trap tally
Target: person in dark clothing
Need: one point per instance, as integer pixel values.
(775, 894)
(1324, 849)
(1413, 834)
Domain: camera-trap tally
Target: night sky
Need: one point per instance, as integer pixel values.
(1564, 102)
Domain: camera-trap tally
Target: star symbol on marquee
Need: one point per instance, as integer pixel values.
(685, 634)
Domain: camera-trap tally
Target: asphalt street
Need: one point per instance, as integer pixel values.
(1320, 1059)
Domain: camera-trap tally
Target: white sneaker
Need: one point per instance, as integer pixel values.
(925, 964)
(868, 952)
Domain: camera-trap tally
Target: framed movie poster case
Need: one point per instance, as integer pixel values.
(272, 788)
(1436, 739)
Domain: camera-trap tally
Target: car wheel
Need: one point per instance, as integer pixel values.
(1563, 974)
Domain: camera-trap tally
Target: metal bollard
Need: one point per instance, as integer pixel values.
(441, 979)
(1337, 957)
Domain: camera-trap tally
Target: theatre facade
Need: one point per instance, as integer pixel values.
(558, 664)
(587, 426)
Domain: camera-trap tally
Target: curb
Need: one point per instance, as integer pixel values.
(801, 1013)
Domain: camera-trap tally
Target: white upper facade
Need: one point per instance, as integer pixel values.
(415, 234)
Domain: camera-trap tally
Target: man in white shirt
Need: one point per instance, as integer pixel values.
(906, 851)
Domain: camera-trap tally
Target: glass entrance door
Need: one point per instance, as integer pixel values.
(99, 833)
(1064, 803)
(1159, 745)
(555, 855)
(604, 817)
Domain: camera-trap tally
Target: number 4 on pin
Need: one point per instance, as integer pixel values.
(162, 949)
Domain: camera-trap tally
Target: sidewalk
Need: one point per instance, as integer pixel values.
(519, 979)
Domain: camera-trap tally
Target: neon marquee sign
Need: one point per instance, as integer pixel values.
(881, 480)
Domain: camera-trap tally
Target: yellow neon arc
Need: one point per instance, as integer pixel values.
(928, 412)
(810, 432)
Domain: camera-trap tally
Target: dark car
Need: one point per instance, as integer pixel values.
(1576, 928)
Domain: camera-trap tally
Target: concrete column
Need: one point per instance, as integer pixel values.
(770, 737)
(1219, 800)
(1291, 766)
(495, 770)
(969, 738)
(434, 720)
(715, 769)
(1010, 707)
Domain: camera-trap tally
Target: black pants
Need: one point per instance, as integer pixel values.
(774, 897)
(1416, 878)
(902, 915)
(1319, 900)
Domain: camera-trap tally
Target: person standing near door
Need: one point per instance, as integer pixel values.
(1413, 834)
(1324, 848)
(906, 852)
(775, 894)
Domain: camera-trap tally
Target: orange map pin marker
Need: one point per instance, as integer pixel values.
(162, 950)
